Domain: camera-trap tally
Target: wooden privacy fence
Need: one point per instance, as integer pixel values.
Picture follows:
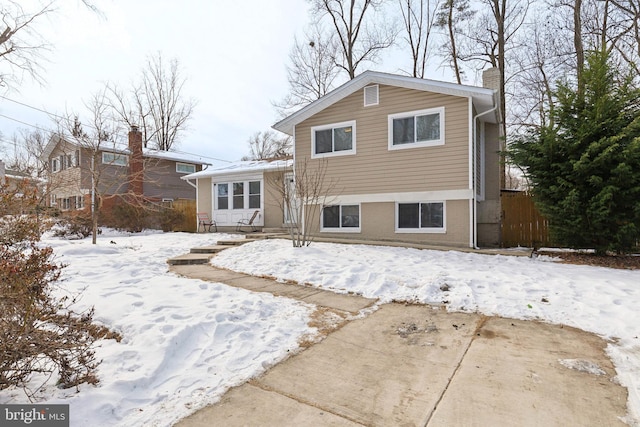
(522, 224)
(188, 209)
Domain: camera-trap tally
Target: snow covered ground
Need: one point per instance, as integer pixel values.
(600, 300)
(187, 341)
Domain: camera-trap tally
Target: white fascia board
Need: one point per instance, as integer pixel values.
(483, 98)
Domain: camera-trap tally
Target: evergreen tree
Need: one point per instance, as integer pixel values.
(584, 165)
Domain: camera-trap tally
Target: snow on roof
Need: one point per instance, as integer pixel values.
(242, 168)
(124, 149)
(175, 156)
(483, 99)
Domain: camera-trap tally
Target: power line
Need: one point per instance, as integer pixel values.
(48, 131)
(31, 106)
(27, 124)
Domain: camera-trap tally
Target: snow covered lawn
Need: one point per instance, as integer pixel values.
(596, 299)
(185, 342)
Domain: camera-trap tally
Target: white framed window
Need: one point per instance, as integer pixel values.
(254, 194)
(222, 196)
(54, 200)
(421, 217)
(423, 128)
(185, 168)
(55, 165)
(115, 159)
(79, 202)
(343, 218)
(336, 139)
(66, 204)
(371, 95)
(243, 195)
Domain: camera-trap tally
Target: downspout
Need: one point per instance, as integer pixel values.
(475, 210)
(196, 187)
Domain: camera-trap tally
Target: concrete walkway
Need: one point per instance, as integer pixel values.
(415, 365)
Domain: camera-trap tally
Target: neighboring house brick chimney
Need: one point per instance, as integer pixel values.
(136, 162)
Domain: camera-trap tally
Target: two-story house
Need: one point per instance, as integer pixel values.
(76, 168)
(414, 160)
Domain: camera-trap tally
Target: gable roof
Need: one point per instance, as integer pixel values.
(483, 99)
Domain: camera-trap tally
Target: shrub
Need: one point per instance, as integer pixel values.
(40, 333)
(73, 226)
(171, 219)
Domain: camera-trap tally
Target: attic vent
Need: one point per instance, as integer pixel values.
(371, 95)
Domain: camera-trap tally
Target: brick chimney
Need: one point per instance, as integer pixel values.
(136, 162)
(491, 78)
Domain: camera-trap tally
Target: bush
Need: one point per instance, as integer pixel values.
(171, 218)
(128, 217)
(40, 333)
(75, 226)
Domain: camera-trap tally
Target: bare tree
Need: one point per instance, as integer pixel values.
(156, 104)
(28, 147)
(21, 46)
(96, 137)
(302, 198)
(419, 18)
(311, 72)
(495, 34)
(451, 15)
(627, 16)
(269, 145)
(358, 40)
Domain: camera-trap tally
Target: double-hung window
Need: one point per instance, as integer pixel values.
(223, 196)
(425, 217)
(238, 195)
(333, 140)
(344, 218)
(422, 128)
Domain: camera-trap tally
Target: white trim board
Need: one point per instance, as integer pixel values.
(422, 196)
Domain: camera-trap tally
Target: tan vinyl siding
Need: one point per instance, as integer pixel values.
(204, 196)
(273, 215)
(377, 222)
(376, 169)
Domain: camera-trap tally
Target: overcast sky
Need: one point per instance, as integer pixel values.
(233, 54)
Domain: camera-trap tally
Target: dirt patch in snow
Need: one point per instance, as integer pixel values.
(628, 262)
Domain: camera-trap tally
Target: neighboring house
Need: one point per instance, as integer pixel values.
(235, 191)
(19, 184)
(414, 160)
(151, 174)
(10, 177)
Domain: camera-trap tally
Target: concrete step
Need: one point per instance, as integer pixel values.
(208, 249)
(257, 236)
(190, 259)
(233, 242)
(275, 230)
